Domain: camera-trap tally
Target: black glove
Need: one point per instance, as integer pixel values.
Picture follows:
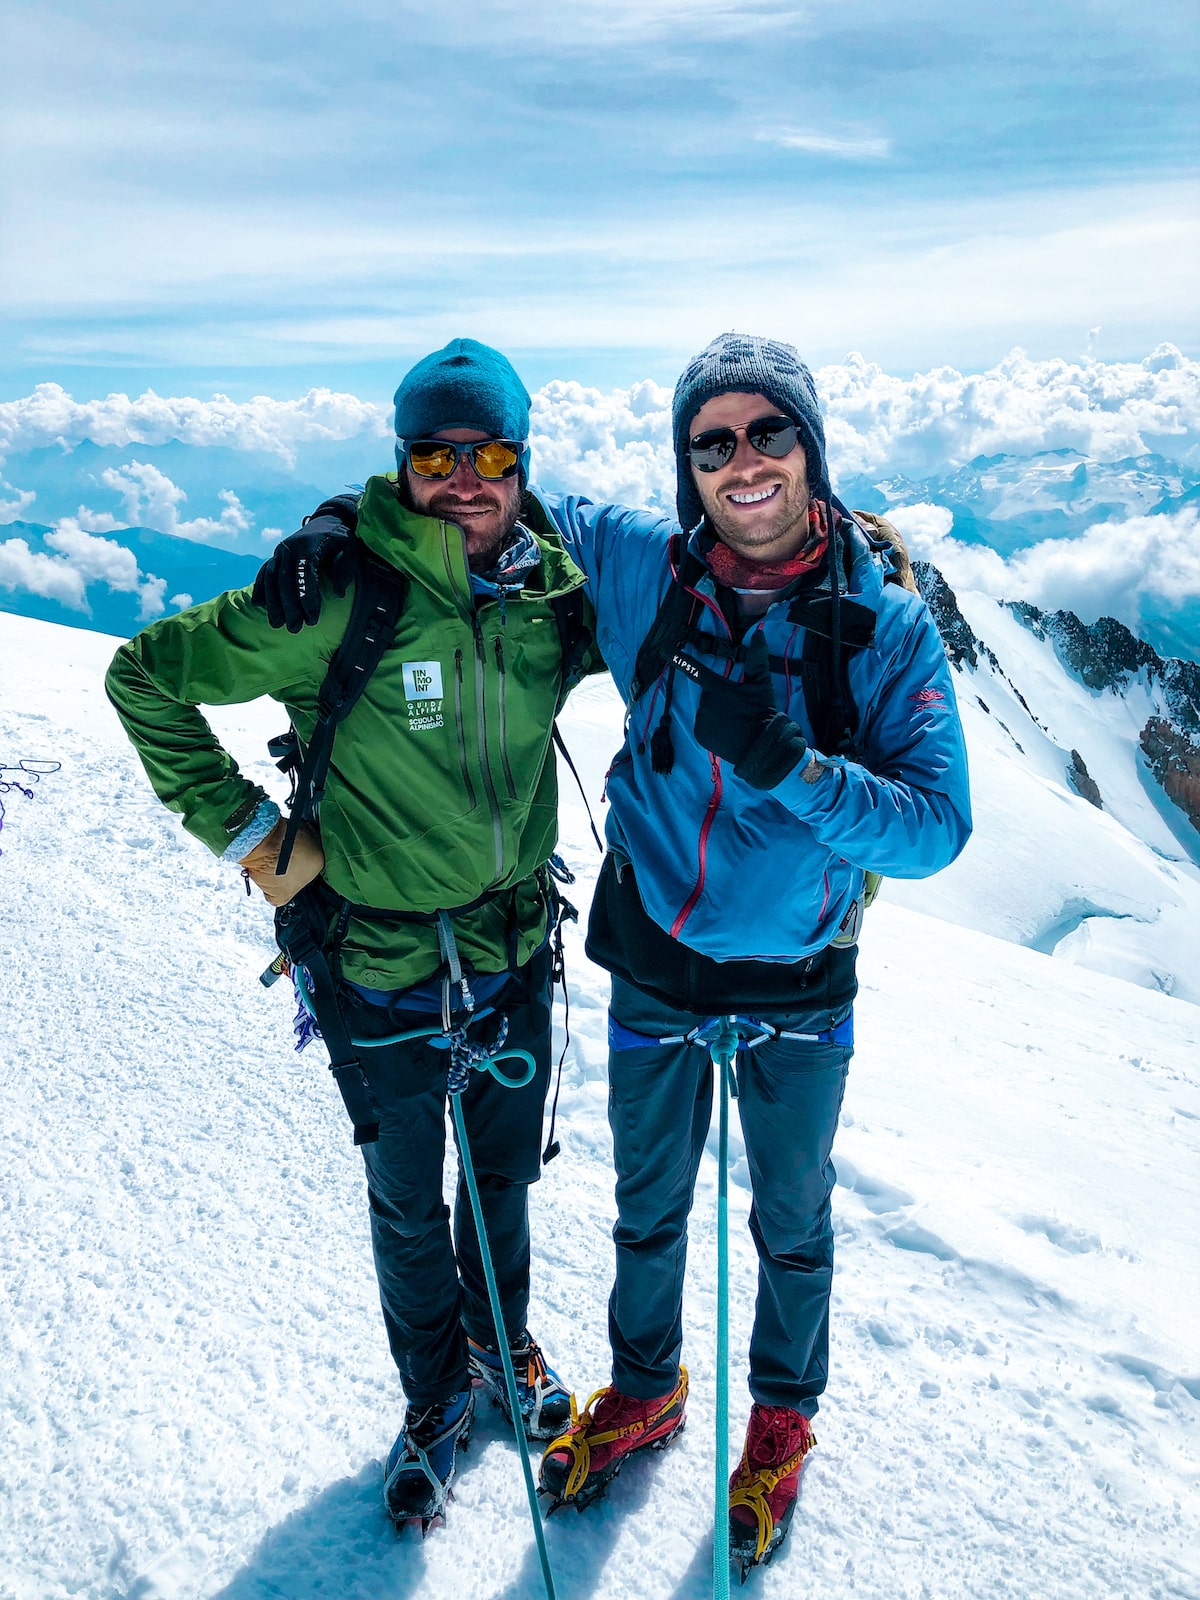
(740, 723)
(288, 584)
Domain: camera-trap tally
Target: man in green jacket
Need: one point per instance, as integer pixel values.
(428, 858)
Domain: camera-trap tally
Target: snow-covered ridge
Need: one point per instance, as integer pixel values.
(197, 1392)
(1084, 747)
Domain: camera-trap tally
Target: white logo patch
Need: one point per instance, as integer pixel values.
(422, 680)
(423, 691)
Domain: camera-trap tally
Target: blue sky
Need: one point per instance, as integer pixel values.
(261, 197)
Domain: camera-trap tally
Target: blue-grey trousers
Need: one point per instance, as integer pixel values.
(660, 1108)
(431, 1281)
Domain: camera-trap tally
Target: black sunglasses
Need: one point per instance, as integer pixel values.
(492, 459)
(715, 447)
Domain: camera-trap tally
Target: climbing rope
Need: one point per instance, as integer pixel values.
(32, 771)
(723, 1046)
(467, 1057)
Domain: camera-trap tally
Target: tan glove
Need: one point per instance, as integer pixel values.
(307, 862)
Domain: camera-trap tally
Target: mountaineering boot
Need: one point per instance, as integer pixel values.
(545, 1403)
(762, 1492)
(579, 1465)
(420, 1465)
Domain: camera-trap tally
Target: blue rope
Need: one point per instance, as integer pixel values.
(465, 1057)
(723, 1047)
(510, 1377)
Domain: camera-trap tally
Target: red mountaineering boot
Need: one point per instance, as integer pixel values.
(762, 1492)
(581, 1463)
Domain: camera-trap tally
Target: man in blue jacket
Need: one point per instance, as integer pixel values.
(792, 726)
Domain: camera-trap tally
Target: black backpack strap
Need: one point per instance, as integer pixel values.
(379, 594)
(814, 613)
(675, 616)
(575, 638)
(560, 745)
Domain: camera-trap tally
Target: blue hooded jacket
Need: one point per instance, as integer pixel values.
(734, 872)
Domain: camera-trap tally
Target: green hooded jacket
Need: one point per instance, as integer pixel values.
(442, 781)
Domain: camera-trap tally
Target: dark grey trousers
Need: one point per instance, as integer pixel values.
(431, 1281)
(660, 1107)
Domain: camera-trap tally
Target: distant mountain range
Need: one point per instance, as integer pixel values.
(1011, 502)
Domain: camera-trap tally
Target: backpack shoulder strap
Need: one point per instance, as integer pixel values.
(379, 595)
(574, 638)
(829, 701)
(674, 617)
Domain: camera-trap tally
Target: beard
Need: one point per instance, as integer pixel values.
(789, 515)
(484, 535)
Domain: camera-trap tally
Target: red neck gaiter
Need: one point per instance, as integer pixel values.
(740, 572)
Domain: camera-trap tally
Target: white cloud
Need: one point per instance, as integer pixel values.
(95, 560)
(151, 500)
(79, 558)
(614, 446)
(940, 419)
(181, 601)
(151, 598)
(616, 443)
(49, 416)
(32, 572)
(1114, 569)
(10, 510)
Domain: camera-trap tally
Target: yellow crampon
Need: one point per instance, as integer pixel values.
(579, 1442)
(752, 1488)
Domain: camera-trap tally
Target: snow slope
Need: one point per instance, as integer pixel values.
(1116, 890)
(195, 1392)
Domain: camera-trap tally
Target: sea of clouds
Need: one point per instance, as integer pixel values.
(616, 445)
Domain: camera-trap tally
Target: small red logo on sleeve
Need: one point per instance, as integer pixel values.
(926, 697)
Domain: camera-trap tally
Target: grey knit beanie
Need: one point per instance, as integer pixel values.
(739, 363)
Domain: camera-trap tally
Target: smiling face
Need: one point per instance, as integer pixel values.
(758, 506)
(486, 512)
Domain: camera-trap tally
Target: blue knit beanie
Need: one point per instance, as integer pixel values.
(466, 385)
(739, 363)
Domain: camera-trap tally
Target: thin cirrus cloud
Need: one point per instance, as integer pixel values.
(848, 146)
(229, 193)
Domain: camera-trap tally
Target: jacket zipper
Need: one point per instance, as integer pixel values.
(508, 777)
(458, 725)
(705, 828)
(489, 787)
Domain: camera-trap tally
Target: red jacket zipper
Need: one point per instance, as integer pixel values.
(705, 828)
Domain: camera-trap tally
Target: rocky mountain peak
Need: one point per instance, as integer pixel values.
(961, 644)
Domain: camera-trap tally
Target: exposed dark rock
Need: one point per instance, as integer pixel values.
(1105, 655)
(961, 644)
(1175, 761)
(1181, 688)
(1082, 781)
